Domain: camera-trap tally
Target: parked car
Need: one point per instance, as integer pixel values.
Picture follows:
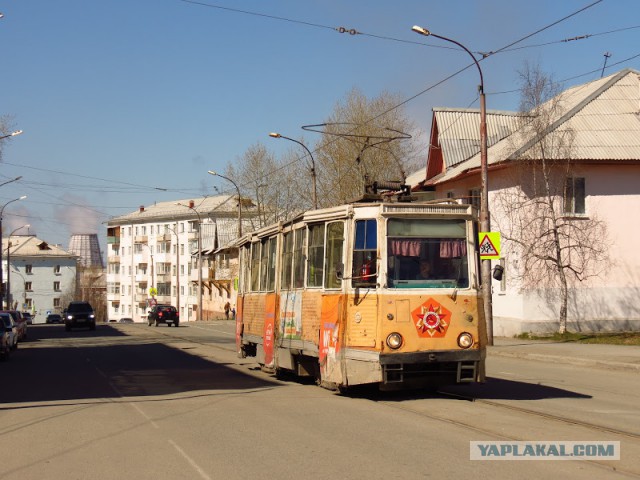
(79, 314)
(9, 330)
(126, 320)
(54, 318)
(5, 348)
(27, 316)
(20, 321)
(163, 314)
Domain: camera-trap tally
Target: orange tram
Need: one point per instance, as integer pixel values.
(367, 293)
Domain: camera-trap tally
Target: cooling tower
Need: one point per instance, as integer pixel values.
(87, 248)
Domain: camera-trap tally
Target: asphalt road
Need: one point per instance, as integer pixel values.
(132, 401)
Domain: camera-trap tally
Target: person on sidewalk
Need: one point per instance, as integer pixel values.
(227, 308)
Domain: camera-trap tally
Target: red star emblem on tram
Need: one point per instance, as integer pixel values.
(431, 319)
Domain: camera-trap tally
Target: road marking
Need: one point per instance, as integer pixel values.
(197, 468)
(231, 334)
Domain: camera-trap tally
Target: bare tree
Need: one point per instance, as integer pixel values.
(364, 139)
(542, 225)
(270, 183)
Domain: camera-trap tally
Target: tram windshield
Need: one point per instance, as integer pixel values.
(427, 253)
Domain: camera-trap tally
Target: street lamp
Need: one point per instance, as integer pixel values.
(12, 134)
(10, 181)
(313, 165)
(216, 174)
(9, 264)
(199, 258)
(177, 265)
(485, 224)
(153, 286)
(1, 253)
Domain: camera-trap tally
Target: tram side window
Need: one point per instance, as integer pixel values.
(298, 258)
(267, 264)
(245, 261)
(333, 254)
(255, 267)
(365, 254)
(287, 260)
(270, 280)
(316, 255)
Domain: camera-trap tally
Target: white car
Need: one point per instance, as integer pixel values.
(10, 329)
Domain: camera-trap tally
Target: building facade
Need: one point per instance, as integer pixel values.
(165, 254)
(39, 278)
(592, 136)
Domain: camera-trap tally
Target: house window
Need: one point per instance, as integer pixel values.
(56, 286)
(28, 269)
(574, 195)
(56, 270)
(28, 286)
(56, 303)
(29, 302)
(474, 197)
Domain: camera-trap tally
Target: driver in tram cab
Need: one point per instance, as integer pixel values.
(425, 270)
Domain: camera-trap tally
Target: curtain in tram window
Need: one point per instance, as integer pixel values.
(453, 248)
(406, 248)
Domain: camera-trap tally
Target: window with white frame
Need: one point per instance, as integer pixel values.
(28, 286)
(56, 286)
(56, 270)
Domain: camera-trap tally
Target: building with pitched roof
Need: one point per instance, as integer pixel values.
(598, 170)
(153, 253)
(39, 277)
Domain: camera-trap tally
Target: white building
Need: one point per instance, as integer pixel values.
(40, 277)
(153, 254)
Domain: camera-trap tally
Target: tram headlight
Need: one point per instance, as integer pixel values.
(394, 340)
(465, 340)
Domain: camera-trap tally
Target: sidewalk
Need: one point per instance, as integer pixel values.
(612, 357)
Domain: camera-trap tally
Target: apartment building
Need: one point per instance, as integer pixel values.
(38, 277)
(153, 256)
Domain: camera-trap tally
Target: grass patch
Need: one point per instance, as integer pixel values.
(624, 338)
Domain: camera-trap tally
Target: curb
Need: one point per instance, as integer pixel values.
(578, 361)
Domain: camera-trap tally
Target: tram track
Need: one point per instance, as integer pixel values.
(495, 433)
(406, 406)
(548, 416)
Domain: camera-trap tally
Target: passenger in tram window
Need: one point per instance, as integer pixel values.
(425, 271)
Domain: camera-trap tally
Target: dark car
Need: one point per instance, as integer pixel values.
(54, 318)
(163, 314)
(79, 314)
(20, 321)
(27, 316)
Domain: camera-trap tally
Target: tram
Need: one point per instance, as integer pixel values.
(344, 294)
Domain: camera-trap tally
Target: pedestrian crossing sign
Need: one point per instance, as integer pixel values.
(489, 245)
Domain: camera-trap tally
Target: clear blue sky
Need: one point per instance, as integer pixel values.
(119, 97)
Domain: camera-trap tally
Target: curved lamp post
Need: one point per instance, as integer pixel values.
(313, 165)
(485, 225)
(199, 258)
(12, 134)
(9, 264)
(216, 174)
(1, 253)
(177, 265)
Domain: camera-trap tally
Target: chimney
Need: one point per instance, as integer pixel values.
(191, 204)
(141, 208)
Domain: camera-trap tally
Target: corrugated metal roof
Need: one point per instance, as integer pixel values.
(459, 131)
(604, 116)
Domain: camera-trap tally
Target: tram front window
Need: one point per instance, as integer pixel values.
(427, 254)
